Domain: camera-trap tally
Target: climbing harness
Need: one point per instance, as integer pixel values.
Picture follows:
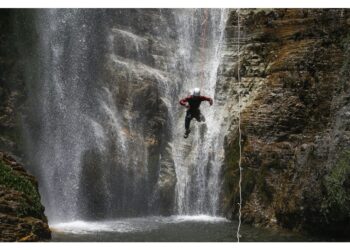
(239, 129)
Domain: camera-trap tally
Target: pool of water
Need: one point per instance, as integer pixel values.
(200, 228)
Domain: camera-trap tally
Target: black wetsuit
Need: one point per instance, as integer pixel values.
(193, 108)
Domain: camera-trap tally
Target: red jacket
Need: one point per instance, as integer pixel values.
(195, 101)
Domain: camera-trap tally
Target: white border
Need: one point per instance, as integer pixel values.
(175, 4)
(174, 246)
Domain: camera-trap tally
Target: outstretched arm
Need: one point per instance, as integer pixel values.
(208, 99)
(184, 101)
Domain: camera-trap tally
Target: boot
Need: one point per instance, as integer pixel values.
(187, 133)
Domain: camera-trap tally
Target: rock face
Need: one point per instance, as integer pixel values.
(11, 85)
(295, 157)
(21, 213)
(22, 216)
(137, 73)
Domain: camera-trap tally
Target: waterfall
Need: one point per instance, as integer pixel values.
(198, 159)
(63, 124)
(94, 145)
(104, 130)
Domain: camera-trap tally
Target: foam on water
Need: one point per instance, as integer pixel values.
(127, 225)
(200, 217)
(85, 227)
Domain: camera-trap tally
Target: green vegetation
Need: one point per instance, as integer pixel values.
(231, 174)
(30, 203)
(231, 177)
(336, 204)
(252, 178)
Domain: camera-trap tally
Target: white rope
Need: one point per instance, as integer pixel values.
(239, 131)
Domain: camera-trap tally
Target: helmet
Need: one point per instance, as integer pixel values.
(196, 92)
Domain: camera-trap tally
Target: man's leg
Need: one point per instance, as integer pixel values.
(202, 118)
(199, 117)
(188, 119)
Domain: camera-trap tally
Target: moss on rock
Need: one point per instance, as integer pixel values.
(31, 204)
(21, 213)
(336, 203)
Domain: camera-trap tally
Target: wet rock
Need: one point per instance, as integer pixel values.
(22, 216)
(292, 123)
(166, 182)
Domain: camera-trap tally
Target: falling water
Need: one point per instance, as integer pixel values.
(64, 130)
(198, 159)
(83, 148)
(104, 127)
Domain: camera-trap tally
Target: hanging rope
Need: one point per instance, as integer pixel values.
(203, 44)
(239, 129)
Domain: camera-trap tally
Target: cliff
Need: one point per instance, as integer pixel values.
(295, 108)
(21, 213)
(11, 85)
(22, 216)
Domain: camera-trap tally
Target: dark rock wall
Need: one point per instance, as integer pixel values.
(137, 71)
(21, 213)
(294, 68)
(11, 84)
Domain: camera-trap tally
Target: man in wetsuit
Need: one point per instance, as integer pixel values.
(193, 102)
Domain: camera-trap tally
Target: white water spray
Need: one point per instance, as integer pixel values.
(92, 146)
(198, 159)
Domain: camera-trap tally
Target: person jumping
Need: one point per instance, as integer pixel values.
(193, 102)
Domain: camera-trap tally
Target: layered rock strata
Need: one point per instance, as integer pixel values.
(294, 91)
